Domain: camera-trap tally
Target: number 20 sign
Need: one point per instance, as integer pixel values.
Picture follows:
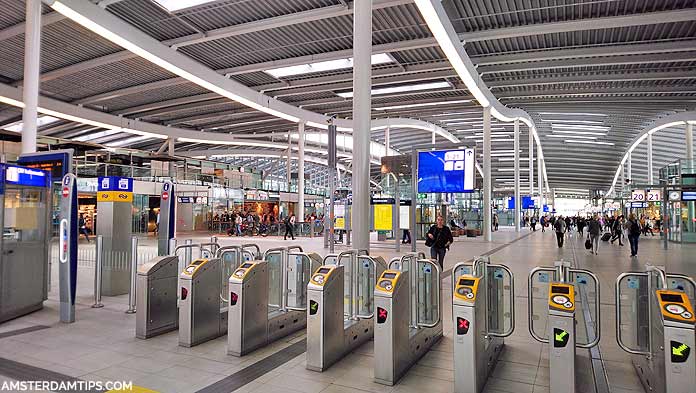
(638, 195)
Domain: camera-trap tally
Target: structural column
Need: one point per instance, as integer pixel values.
(517, 175)
(650, 159)
(531, 163)
(300, 171)
(629, 163)
(362, 83)
(32, 69)
(387, 140)
(689, 141)
(540, 182)
(487, 211)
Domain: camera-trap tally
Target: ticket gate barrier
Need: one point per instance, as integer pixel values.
(567, 292)
(341, 307)
(268, 298)
(409, 316)
(483, 313)
(158, 280)
(655, 322)
(156, 300)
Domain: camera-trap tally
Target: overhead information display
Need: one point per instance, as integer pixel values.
(446, 171)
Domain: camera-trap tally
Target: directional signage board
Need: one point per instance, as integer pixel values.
(653, 195)
(638, 195)
(114, 196)
(114, 183)
(446, 171)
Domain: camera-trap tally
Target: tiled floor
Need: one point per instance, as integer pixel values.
(101, 344)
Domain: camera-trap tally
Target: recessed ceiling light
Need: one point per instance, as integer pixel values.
(574, 136)
(405, 106)
(573, 121)
(588, 142)
(579, 132)
(574, 114)
(323, 66)
(401, 89)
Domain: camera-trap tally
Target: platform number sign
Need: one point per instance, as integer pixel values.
(653, 195)
(638, 195)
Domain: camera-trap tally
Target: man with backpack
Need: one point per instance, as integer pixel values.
(560, 227)
(290, 226)
(633, 229)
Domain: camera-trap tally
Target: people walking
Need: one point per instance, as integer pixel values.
(594, 231)
(633, 229)
(560, 229)
(439, 238)
(533, 223)
(290, 227)
(617, 230)
(82, 224)
(581, 225)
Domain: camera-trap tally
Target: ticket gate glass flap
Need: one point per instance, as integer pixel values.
(539, 292)
(586, 293)
(500, 300)
(275, 279)
(300, 268)
(633, 300)
(428, 283)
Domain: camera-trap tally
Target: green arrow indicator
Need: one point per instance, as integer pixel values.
(679, 351)
(313, 307)
(562, 336)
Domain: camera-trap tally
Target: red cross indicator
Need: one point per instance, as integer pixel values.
(184, 293)
(66, 192)
(462, 326)
(233, 298)
(165, 195)
(381, 315)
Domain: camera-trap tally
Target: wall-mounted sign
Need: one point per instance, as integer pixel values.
(639, 205)
(688, 196)
(26, 176)
(114, 183)
(446, 171)
(201, 200)
(114, 196)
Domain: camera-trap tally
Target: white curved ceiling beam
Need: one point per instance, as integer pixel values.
(441, 27)
(666, 122)
(13, 96)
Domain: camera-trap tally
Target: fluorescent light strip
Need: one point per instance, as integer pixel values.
(578, 132)
(406, 106)
(323, 66)
(401, 89)
(127, 141)
(96, 135)
(572, 121)
(579, 127)
(130, 46)
(41, 121)
(588, 142)
(176, 5)
(573, 114)
(574, 136)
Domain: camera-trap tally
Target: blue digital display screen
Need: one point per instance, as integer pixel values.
(22, 176)
(446, 171)
(114, 183)
(527, 203)
(688, 195)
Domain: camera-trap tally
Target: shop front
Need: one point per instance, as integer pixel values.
(261, 203)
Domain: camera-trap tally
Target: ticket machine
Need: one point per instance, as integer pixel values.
(483, 313)
(268, 298)
(25, 197)
(655, 322)
(409, 316)
(569, 295)
(341, 306)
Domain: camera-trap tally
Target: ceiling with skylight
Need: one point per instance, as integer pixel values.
(592, 75)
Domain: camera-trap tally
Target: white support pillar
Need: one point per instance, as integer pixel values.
(517, 175)
(387, 140)
(362, 83)
(300, 171)
(288, 168)
(531, 163)
(650, 159)
(32, 69)
(540, 181)
(689, 141)
(487, 182)
(629, 163)
(433, 137)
